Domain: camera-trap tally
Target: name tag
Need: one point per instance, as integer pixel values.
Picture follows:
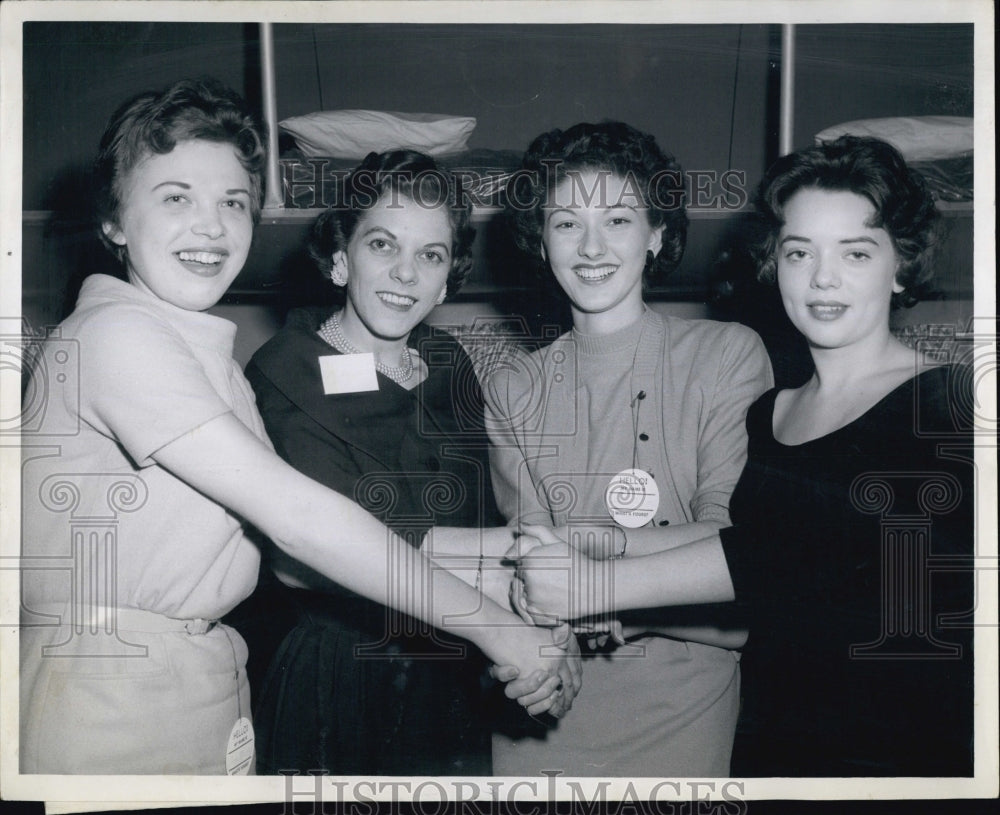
(348, 373)
(632, 498)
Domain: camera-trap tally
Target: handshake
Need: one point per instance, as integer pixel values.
(552, 588)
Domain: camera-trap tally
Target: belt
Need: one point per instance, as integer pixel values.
(106, 618)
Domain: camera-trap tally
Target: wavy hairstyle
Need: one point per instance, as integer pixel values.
(395, 173)
(613, 147)
(154, 123)
(865, 166)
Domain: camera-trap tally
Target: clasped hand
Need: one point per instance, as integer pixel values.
(552, 688)
(557, 583)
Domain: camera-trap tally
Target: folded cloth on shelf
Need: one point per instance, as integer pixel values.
(918, 138)
(355, 133)
(310, 181)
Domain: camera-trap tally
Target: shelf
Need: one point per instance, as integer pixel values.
(294, 215)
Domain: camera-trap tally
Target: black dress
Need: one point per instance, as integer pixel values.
(356, 688)
(851, 555)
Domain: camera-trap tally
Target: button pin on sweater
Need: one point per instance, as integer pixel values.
(632, 498)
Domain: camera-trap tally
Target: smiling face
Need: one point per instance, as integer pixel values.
(595, 237)
(185, 223)
(836, 273)
(396, 264)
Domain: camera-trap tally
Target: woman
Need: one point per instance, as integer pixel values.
(853, 520)
(152, 458)
(401, 432)
(628, 397)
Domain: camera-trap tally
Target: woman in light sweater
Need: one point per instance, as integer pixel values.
(625, 431)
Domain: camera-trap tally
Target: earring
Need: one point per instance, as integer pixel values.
(338, 274)
(442, 295)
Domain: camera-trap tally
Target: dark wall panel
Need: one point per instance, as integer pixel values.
(77, 74)
(848, 72)
(699, 89)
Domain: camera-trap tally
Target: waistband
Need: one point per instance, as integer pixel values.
(97, 618)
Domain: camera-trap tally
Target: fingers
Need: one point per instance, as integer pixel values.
(531, 615)
(504, 673)
(543, 620)
(570, 669)
(534, 689)
(571, 684)
(562, 636)
(523, 686)
(521, 546)
(574, 667)
(551, 705)
(557, 703)
(618, 632)
(519, 600)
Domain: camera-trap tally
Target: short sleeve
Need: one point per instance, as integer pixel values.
(140, 382)
(743, 373)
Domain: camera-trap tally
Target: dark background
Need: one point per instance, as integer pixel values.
(709, 93)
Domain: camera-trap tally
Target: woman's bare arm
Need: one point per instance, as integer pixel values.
(336, 537)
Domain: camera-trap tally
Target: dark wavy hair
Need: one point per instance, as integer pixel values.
(874, 169)
(396, 173)
(606, 146)
(154, 122)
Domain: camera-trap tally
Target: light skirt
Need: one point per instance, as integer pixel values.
(135, 703)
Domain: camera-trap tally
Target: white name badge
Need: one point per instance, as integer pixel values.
(632, 498)
(239, 751)
(348, 373)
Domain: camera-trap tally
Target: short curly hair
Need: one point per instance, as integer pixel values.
(606, 146)
(869, 167)
(155, 122)
(397, 172)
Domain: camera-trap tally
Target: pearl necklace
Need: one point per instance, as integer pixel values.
(332, 332)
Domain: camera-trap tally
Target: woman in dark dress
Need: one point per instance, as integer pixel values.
(852, 536)
(378, 406)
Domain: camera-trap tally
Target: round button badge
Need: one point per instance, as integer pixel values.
(632, 498)
(239, 751)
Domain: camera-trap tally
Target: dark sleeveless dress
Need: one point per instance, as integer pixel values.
(851, 555)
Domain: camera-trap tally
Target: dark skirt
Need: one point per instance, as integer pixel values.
(343, 697)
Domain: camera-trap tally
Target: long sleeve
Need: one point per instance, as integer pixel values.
(743, 374)
(509, 406)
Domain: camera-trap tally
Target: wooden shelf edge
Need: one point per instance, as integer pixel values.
(294, 215)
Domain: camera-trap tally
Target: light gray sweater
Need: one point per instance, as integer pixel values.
(564, 419)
